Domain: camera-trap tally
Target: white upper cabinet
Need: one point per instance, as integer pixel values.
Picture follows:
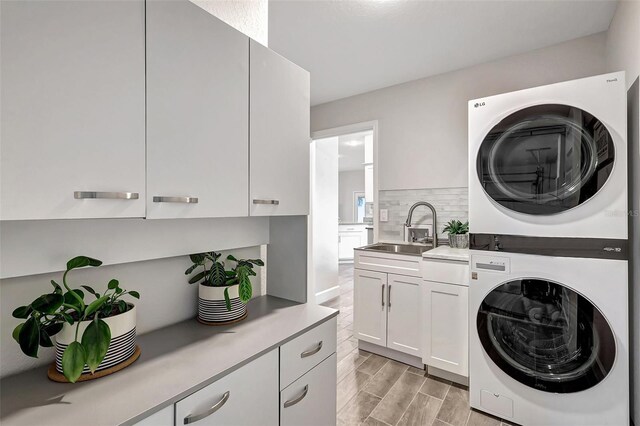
(279, 135)
(197, 114)
(73, 109)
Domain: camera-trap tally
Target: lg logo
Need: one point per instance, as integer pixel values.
(478, 104)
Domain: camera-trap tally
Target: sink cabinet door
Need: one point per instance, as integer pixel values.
(445, 315)
(369, 308)
(404, 333)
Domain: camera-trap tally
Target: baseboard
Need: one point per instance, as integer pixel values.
(456, 378)
(411, 360)
(328, 294)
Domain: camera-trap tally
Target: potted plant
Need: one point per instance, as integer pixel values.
(458, 233)
(222, 293)
(91, 337)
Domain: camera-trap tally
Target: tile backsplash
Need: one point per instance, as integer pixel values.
(450, 203)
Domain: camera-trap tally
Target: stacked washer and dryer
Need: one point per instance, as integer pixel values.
(548, 294)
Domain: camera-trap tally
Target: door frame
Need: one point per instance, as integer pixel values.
(335, 132)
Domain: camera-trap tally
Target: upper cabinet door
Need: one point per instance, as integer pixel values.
(73, 107)
(279, 135)
(197, 114)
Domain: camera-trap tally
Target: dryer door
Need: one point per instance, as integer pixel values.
(545, 159)
(546, 336)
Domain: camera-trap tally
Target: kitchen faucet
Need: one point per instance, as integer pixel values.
(407, 224)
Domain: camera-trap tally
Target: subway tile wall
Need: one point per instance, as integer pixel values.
(450, 203)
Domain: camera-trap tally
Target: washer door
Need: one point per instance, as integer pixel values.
(545, 159)
(546, 336)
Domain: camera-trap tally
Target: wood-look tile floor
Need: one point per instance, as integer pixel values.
(377, 391)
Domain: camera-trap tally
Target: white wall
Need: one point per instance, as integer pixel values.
(248, 16)
(423, 124)
(623, 40)
(348, 182)
(324, 226)
(623, 54)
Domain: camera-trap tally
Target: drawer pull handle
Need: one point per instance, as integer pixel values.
(312, 351)
(186, 200)
(274, 202)
(298, 398)
(195, 417)
(83, 195)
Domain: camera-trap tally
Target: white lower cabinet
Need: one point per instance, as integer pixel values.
(403, 314)
(446, 333)
(369, 309)
(248, 396)
(311, 400)
(387, 310)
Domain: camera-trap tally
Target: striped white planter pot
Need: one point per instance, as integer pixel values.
(121, 347)
(212, 308)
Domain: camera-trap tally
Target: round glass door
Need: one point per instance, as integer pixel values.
(546, 336)
(545, 159)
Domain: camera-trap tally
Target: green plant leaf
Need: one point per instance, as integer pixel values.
(22, 312)
(227, 299)
(45, 339)
(218, 276)
(197, 277)
(81, 262)
(191, 268)
(122, 306)
(95, 341)
(73, 360)
(232, 258)
(29, 337)
(245, 290)
(90, 290)
(16, 333)
(197, 258)
(134, 294)
(113, 284)
(67, 318)
(75, 298)
(47, 303)
(56, 287)
(95, 305)
(53, 328)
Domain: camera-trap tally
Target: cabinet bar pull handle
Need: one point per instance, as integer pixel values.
(382, 295)
(298, 398)
(186, 200)
(274, 202)
(389, 297)
(312, 351)
(83, 195)
(195, 417)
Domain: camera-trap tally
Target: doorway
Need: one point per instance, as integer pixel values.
(343, 203)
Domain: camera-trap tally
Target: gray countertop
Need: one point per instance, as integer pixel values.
(175, 362)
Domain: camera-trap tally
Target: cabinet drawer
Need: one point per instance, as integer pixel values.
(306, 351)
(225, 402)
(446, 271)
(311, 400)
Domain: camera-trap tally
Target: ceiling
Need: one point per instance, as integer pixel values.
(351, 152)
(356, 46)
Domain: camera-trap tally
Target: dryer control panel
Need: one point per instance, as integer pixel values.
(492, 264)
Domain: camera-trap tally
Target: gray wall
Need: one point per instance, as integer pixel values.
(348, 182)
(623, 54)
(166, 298)
(423, 123)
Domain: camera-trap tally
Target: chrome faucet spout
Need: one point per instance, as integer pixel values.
(434, 220)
